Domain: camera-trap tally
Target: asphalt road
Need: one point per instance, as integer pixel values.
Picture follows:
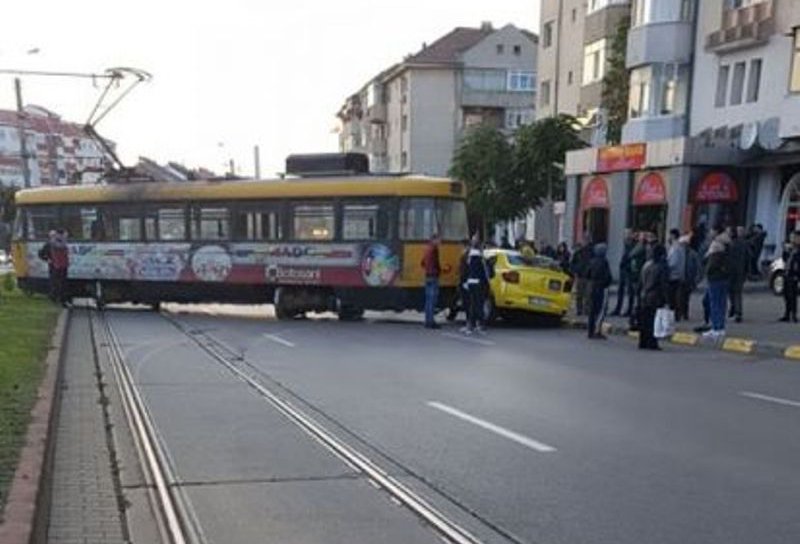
(523, 435)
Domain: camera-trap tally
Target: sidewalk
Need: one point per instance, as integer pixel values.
(759, 333)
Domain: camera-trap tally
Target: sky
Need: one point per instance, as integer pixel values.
(226, 75)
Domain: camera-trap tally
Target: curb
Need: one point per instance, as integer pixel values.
(741, 346)
(25, 514)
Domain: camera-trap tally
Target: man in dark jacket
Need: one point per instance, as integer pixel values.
(638, 258)
(625, 288)
(579, 267)
(655, 287)
(599, 275)
(430, 263)
(792, 277)
(738, 261)
(755, 239)
(718, 277)
(477, 283)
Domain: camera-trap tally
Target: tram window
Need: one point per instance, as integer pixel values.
(362, 222)
(452, 220)
(19, 224)
(210, 224)
(417, 218)
(313, 222)
(257, 225)
(129, 229)
(171, 224)
(41, 220)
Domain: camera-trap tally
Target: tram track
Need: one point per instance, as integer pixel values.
(297, 409)
(175, 518)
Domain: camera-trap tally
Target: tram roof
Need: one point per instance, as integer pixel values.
(362, 186)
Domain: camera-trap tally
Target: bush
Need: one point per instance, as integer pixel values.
(9, 283)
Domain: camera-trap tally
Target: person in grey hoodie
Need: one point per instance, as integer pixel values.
(676, 260)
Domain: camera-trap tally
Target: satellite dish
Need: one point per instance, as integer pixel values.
(769, 134)
(749, 136)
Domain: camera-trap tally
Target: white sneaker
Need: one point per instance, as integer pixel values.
(480, 330)
(465, 330)
(710, 334)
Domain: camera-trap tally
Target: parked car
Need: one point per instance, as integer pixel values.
(777, 271)
(525, 287)
(5, 259)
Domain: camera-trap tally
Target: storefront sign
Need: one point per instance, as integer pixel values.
(595, 194)
(717, 187)
(621, 157)
(650, 191)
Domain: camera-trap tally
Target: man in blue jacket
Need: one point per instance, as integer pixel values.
(477, 283)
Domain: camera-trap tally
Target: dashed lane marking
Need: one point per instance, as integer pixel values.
(541, 447)
(469, 339)
(278, 340)
(767, 398)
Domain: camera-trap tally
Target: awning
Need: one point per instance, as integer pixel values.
(595, 194)
(717, 187)
(650, 191)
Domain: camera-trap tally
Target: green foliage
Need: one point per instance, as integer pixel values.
(484, 162)
(540, 155)
(7, 208)
(616, 84)
(9, 283)
(505, 180)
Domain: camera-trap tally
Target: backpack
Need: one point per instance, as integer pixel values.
(44, 252)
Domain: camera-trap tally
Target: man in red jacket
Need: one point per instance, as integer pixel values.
(430, 263)
(59, 265)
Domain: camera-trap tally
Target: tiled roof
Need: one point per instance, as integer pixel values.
(448, 48)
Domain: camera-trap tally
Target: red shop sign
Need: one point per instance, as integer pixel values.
(717, 187)
(650, 191)
(595, 194)
(621, 157)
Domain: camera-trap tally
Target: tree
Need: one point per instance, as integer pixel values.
(616, 84)
(484, 162)
(7, 212)
(540, 155)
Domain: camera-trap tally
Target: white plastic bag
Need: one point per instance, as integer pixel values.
(664, 326)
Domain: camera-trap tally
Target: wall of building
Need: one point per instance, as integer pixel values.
(433, 120)
(564, 89)
(774, 99)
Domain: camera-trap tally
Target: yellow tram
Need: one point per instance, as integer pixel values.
(343, 243)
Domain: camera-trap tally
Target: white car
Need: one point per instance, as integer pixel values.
(5, 259)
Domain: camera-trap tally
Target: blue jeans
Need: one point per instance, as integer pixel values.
(431, 296)
(718, 301)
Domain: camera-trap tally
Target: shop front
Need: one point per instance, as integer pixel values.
(790, 208)
(717, 202)
(649, 212)
(593, 219)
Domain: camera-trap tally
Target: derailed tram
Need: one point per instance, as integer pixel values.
(343, 243)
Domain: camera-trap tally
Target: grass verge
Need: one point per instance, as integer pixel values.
(26, 327)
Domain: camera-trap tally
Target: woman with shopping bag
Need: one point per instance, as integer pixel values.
(655, 286)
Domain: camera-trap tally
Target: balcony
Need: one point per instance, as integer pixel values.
(377, 113)
(744, 27)
(497, 99)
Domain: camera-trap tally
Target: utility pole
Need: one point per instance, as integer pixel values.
(23, 148)
(257, 158)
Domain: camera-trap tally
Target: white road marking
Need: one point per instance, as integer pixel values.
(277, 339)
(767, 398)
(511, 435)
(470, 339)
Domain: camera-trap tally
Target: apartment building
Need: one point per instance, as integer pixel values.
(713, 136)
(58, 152)
(411, 116)
(575, 41)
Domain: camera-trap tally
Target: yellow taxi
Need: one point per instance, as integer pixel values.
(521, 285)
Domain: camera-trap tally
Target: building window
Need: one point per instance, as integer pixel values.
(794, 84)
(545, 94)
(641, 81)
(519, 81)
(722, 86)
(517, 117)
(754, 80)
(547, 35)
(594, 62)
(500, 49)
(404, 160)
(737, 83)
(517, 50)
(485, 80)
(574, 15)
(404, 123)
(569, 77)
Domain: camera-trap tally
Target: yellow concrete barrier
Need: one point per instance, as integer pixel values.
(738, 345)
(792, 352)
(685, 338)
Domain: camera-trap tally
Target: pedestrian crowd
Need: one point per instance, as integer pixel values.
(656, 281)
